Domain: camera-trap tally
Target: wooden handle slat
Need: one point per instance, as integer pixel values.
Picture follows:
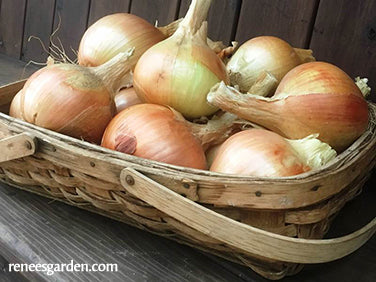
(17, 146)
(238, 235)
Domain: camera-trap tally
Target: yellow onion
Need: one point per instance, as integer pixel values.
(264, 53)
(125, 98)
(15, 106)
(211, 153)
(117, 33)
(262, 153)
(162, 134)
(72, 99)
(180, 70)
(157, 133)
(315, 97)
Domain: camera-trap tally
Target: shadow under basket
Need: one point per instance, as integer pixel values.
(272, 225)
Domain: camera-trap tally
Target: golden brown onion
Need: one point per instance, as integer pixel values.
(15, 106)
(263, 53)
(117, 33)
(259, 152)
(180, 70)
(74, 100)
(157, 133)
(315, 97)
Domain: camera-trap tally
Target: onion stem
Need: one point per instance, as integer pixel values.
(120, 75)
(196, 15)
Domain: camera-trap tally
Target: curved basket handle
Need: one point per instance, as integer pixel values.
(238, 235)
(17, 146)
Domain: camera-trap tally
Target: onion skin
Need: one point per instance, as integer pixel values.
(179, 71)
(125, 98)
(157, 133)
(317, 78)
(211, 153)
(259, 54)
(74, 100)
(116, 33)
(68, 99)
(15, 106)
(257, 152)
(312, 98)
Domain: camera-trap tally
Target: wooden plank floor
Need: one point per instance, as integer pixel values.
(34, 229)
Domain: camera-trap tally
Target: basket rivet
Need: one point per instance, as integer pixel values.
(28, 145)
(258, 193)
(92, 164)
(129, 179)
(186, 185)
(315, 188)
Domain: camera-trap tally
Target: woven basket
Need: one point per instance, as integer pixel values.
(258, 222)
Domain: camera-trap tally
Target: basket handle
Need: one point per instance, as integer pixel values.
(17, 146)
(238, 235)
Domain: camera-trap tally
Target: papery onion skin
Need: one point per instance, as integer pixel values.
(163, 79)
(15, 106)
(125, 98)
(68, 99)
(262, 53)
(312, 98)
(332, 100)
(117, 33)
(257, 152)
(179, 71)
(157, 133)
(317, 78)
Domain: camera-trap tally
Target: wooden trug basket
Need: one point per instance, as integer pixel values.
(258, 222)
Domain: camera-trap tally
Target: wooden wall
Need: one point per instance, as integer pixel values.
(342, 32)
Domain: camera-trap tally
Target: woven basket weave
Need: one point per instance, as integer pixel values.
(257, 222)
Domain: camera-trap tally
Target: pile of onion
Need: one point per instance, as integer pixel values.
(180, 70)
(162, 134)
(114, 34)
(71, 99)
(262, 153)
(313, 98)
(264, 54)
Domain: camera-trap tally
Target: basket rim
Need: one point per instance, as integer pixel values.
(360, 147)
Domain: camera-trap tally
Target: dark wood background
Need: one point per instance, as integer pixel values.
(342, 32)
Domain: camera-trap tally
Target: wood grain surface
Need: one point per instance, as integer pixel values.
(34, 229)
(290, 20)
(347, 39)
(163, 11)
(70, 21)
(12, 14)
(37, 31)
(101, 8)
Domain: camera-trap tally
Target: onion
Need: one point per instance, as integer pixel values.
(117, 33)
(162, 134)
(125, 98)
(264, 53)
(74, 100)
(180, 70)
(211, 153)
(157, 133)
(259, 152)
(312, 98)
(15, 106)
